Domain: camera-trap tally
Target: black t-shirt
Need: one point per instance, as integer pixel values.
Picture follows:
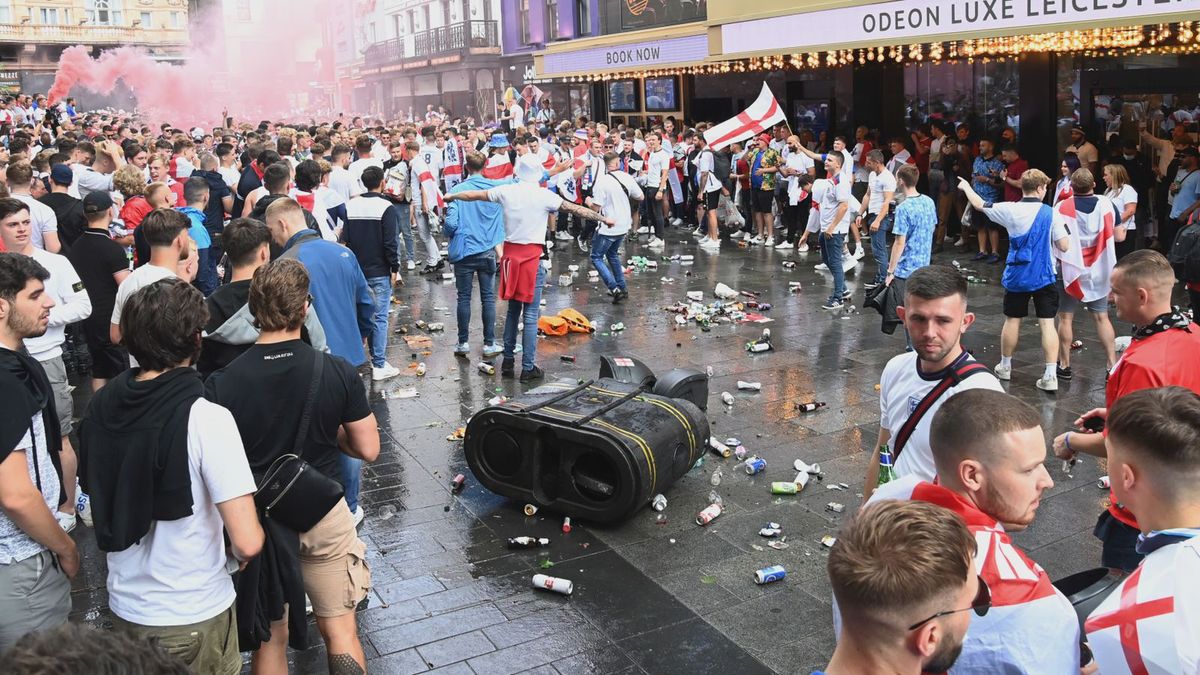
(69, 211)
(266, 388)
(96, 257)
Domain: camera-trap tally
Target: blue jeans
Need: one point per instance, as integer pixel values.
(351, 479)
(607, 260)
(526, 312)
(381, 291)
(483, 264)
(879, 247)
(831, 254)
(406, 235)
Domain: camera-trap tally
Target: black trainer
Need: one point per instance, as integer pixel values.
(507, 367)
(534, 373)
(1063, 373)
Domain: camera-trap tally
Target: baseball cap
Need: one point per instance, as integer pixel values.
(61, 174)
(1189, 151)
(96, 202)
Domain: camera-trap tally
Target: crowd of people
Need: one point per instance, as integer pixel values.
(226, 277)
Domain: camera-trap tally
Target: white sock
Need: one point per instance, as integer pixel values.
(1006, 362)
(1050, 371)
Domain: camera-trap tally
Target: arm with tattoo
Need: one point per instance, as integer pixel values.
(584, 212)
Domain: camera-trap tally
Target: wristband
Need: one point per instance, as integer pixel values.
(1067, 442)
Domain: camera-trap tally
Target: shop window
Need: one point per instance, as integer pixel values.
(984, 95)
(1067, 94)
(579, 99)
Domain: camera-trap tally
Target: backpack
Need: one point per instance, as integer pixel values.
(723, 167)
(1185, 253)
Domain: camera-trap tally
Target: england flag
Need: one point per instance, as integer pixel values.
(763, 114)
(1088, 262)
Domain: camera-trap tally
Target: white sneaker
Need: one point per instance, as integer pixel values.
(83, 505)
(711, 244)
(358, 515)
(643, 230)
(385, 372)
(1048, 383)
(738, 235)
(492, 350)
(961, 242)
(549, 244)
(676, 221)
(705, 240)
(803, 247)
(699, 232)
(756, 240)
(848, 264)
(770, 242)
(1004, 373)
(410, 265)
(65, 520)
(562, 235)
(859, 253)
(785, 246)
(655, 242)
(821, 267)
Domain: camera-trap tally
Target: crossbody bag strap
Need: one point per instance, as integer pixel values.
(302, 430)
(956, 376)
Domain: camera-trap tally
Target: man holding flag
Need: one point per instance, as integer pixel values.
(1094, 227)
(426, 199)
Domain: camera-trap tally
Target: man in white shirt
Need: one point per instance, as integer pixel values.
(834, 211)
(71, 304)
(168, 564)
(798, 170)
(657, 164)
(881, 190)
(935, 315)
(94, 166)
(340, 180)
(43, 221)
(612, 194)
(362, 145)
(37, 558)
(166, 232)
(710, 194)
(526, 205)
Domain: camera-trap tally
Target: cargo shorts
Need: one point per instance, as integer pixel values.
(206, 647)
(333, 564)
(64, 405)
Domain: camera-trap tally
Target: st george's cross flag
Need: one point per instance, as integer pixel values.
(1150, 624)
(431, 196)
(498, 167)
(1088, 262)
(763, 114)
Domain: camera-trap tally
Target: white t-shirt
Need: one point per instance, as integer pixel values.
(518, 115)
(356, 171)
(71, 304)
(15, 544)
(659, 161)
(797, 161)
(176, 574)
(41, 220)
(829, 199)
(901, 388)
(230, 175)
(860, 169)
(525, 208)
(137, 280)
(878, 184)
(704, 164)
(1017, 218)
(1122, 198)
(88, 180)
(434, 158)
(341, 182)
(898, 160)
(612, 192)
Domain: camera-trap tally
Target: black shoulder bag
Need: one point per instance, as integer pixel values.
(292, 492)
(956, 376)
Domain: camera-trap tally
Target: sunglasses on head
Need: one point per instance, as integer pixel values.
(981, 604)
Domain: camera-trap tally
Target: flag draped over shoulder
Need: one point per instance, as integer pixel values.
(763, 114)
(1088, 262)
(431, 196)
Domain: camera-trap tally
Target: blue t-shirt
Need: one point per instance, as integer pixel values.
(1189, 191)
(756, 179)
(916, 218)
(988, 168)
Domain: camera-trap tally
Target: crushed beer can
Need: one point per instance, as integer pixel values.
(1104, 483)
(784, 488)
(835, 507)
(659, 503)
(755, 465)
(530, 509)
(709, 514)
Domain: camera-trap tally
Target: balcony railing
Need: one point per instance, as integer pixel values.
(86, 34)
(435, 41)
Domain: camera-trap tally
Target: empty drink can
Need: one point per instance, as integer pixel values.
(563, 586)
(784, 488)
(487, 368)
(755, 465)
(709, 514)
(768, 574)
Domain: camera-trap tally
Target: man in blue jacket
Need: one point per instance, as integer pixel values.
(372, 232)
(196, 193)
(341, 297)
(475, 230)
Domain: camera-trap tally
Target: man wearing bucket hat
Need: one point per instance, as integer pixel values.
(992, 474)
(499, 163)
(526, 205)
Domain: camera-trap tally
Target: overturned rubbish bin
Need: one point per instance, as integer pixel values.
(1087, 589)
(599, 450)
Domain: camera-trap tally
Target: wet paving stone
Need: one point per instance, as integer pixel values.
(654, 596)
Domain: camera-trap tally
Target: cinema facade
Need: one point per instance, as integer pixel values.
(1038, 66)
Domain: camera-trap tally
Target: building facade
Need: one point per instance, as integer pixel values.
(417, 53)
(1038, 67)
(34, 33)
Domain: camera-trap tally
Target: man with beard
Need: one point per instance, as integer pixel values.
(37, 558)
(935, 315)
(991, 473)
(905, 584)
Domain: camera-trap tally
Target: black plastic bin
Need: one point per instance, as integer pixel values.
(598, 450)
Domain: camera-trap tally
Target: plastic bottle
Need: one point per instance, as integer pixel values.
(715, 480)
